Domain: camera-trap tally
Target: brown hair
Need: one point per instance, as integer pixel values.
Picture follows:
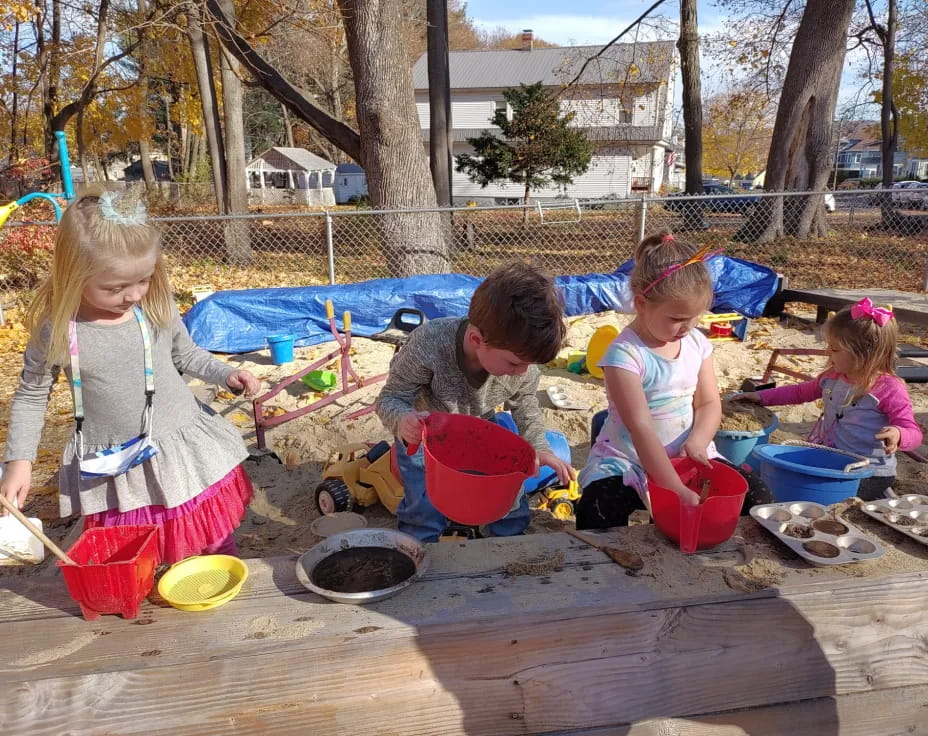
(654, 255)
(518, 308)
(872, 347)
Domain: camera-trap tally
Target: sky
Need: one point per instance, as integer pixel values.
(561, 23)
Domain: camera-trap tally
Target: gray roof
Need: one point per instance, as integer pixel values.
(597, 134)
(349, 169)
(499, 69)
(283, 158)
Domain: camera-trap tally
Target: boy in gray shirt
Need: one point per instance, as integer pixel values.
(470, 366)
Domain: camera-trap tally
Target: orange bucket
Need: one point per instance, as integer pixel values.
(474, 469)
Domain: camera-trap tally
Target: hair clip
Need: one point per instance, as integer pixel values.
(668, 238)
(110, 211)
(864, 309)
(700, 256)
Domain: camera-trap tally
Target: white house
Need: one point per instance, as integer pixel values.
(623, 101)
(283, 175)
(349, 182)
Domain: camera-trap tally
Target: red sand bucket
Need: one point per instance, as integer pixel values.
(710, 523)
(474, 468)
(115, 569)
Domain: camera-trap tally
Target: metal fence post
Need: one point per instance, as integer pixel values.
(330, 247)
(642, 218)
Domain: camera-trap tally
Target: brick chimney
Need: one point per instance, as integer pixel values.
(528, 39)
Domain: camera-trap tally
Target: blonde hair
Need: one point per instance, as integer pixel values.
(654, 255)
(86, 245)
(872, 347)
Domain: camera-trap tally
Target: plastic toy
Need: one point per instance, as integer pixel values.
(202, 583)
(728, 327)
(596, 349)
(350, 381)
(714, 519)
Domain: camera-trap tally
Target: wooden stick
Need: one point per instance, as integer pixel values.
(55, 549)
(583, 538)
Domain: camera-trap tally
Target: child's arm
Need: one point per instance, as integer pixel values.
(27, 417)
(707, 413)
(902, 431)
(797, 393)
(626, 394)
(192, 360)
(409, 374)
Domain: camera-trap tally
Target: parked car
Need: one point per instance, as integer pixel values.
(914, 196)
(716, 198)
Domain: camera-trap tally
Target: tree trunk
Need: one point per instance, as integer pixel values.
(439, 100)
(169, 134)
(82, 157)
(889, 117)
(392, 153)
(207, 89)
(148, 172)
(238, 240)
(49, 61)
(688, 46)
(799, 157)
(14, 148)
(288, 126)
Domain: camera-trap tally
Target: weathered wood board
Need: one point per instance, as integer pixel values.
(471, 650)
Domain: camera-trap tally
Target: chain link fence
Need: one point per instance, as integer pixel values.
(848, 239)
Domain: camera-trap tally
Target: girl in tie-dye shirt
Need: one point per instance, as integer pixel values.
(660, 380)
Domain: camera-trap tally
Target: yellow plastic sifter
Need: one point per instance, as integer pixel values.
(201, 583)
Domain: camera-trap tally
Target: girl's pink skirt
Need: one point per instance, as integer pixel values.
(202, 525)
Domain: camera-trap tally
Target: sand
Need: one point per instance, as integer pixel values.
(278, 520)
(744, 416)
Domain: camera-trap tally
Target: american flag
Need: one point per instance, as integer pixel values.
(671, 158)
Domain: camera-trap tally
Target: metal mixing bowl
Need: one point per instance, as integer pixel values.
(388, 538)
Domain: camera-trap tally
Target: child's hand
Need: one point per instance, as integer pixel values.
(565, 473)
(243, 380)
(688, 497)
(752, 396)
(17, 478)
(890, 437)
(696, 450)
(410, 427)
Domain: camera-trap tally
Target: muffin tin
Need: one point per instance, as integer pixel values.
(824, 541)
(907, 514)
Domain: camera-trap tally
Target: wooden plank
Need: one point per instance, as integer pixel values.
(908, 307)
(511, 675)
(878, 713)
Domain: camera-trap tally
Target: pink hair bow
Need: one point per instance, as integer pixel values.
(865, 309)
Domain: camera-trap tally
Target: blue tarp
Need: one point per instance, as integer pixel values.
(240, 321)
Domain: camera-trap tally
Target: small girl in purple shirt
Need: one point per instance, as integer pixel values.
(867, 409)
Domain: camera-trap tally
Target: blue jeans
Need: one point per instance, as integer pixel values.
(420, 519)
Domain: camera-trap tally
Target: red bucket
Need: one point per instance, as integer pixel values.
(115, 569)
(474, 468)
(710, 523)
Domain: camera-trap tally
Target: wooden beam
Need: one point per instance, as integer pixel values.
(466, 650)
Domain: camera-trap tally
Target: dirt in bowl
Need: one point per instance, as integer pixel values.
(363, 569)
(821, 549)
(798, 531)
(745, 416)
(900, 520)
(830, 526)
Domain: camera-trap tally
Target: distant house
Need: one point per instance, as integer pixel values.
(284, 175)
(860, 154)
(623, 102)
(350, 181)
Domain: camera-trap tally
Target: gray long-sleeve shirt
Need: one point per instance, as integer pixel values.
(196, 448)
(430, 374)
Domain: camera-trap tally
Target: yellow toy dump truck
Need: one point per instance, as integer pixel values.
(359, 475)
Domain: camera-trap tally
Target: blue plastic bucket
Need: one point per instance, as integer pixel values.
(808, 474)
(281, 348)
(736, 446)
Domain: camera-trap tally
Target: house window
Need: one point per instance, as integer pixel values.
(624, 116)
(502, 106)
